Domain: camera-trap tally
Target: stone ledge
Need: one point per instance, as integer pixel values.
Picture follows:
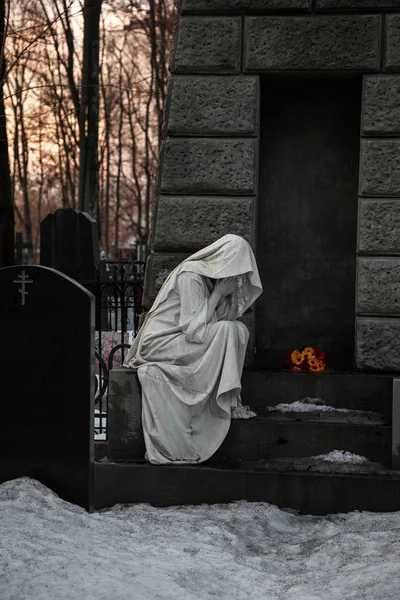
(392, 55)
(378, 344)
(308, 493)
(381, 106)
(207, 45)
(351, 5)
(209, 166)
(325, 43)
(379, 226)
(125, 435)
(396, 425)
(354, 391)
(247, 6)
(188, 223)
(378, 286)
(213, 105)
(380, 167)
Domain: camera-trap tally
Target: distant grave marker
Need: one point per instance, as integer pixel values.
(69, 243)
(47, 381)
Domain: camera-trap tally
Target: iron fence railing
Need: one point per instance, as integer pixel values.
(118, 289)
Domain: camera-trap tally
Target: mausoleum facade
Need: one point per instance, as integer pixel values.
(283, 126)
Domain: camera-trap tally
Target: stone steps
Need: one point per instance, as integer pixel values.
(296, 434)
(272, 457)
(273, 435)
(350, 426)
(308, 491)
(354, 391)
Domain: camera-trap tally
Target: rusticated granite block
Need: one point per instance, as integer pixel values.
(248, 6)
(325, 43)
(187, 223)
(213, 105)
(380, 167)
(208, 166)
(378, 344)
(381, 105)
(207, 45)
(379, 226)
(392, 56)
(357, 4)
(158, 267)
(378, 285)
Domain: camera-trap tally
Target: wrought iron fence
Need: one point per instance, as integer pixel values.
(118, 290)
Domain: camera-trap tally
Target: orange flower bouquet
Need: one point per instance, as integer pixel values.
(306, 359)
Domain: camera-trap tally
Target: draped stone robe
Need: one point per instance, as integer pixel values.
(190, 372)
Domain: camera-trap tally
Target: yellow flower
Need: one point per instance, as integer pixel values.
(308, 352)
(318, 366)
(297, 357)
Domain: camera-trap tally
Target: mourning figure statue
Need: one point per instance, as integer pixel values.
(190, 350)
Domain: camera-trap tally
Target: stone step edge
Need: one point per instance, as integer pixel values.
(296, 420)
(281, 372)
(308, 493)
(387, 474)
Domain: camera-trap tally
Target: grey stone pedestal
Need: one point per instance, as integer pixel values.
(396, 425)
(125, 433)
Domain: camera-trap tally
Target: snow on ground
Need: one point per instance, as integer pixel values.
(52, 550)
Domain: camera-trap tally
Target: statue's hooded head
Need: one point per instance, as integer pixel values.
(230, 256)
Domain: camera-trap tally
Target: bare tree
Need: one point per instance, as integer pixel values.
(150, 24)
(85, 109)
(16, 86)
(89, 110)
(6, 204)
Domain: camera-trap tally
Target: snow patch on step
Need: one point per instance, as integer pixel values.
(307, 405)
(342, 457)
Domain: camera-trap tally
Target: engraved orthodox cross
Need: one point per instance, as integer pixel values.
(23, 279)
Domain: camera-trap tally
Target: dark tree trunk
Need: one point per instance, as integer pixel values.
(6, 204)
(89, 111)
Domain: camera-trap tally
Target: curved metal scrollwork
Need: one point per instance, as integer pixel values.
(118, 288)
(101, 388)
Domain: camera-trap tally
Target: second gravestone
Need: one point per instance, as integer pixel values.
(47, 381)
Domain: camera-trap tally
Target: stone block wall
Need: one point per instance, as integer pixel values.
(208, 164)
(208, 177)
(310, 44)
(378, 263)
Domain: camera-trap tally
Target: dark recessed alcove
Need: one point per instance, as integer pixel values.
(307, 217)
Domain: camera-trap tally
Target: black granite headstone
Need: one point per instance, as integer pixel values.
(47, 381)
(69, 243)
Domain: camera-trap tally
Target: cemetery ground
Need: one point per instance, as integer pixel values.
(51, 549)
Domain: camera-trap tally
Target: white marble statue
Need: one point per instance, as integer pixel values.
(190, 350)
